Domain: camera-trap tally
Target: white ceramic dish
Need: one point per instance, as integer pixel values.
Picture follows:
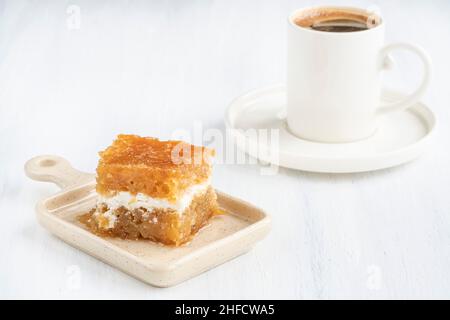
(226, 236)
(400, 138)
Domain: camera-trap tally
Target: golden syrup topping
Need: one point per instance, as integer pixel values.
(159, 169)
(135, 150)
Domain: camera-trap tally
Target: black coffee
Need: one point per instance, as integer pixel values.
(330, 19)
(340, 25)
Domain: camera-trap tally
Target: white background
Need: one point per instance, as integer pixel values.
(152, 67)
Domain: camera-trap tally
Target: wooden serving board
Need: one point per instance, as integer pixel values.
(226, 236)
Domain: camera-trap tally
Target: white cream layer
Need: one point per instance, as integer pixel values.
(140, 200)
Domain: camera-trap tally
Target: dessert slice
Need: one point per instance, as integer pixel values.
(158, 190)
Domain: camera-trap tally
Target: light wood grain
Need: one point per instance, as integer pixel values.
(152, 67)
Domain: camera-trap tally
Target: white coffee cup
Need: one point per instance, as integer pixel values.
(334, 78)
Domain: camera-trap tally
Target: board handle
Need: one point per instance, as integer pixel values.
(57, 170)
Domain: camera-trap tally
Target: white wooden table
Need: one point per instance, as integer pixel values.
(74, 74)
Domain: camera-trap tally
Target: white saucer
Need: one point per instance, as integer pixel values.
(401, 137)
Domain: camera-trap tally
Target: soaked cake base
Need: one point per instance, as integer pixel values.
(166, 226)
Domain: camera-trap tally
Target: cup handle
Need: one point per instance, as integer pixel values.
(415, 96)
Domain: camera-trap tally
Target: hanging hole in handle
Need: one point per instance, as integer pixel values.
(47, 163)
(55, 169)
(45, 167)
